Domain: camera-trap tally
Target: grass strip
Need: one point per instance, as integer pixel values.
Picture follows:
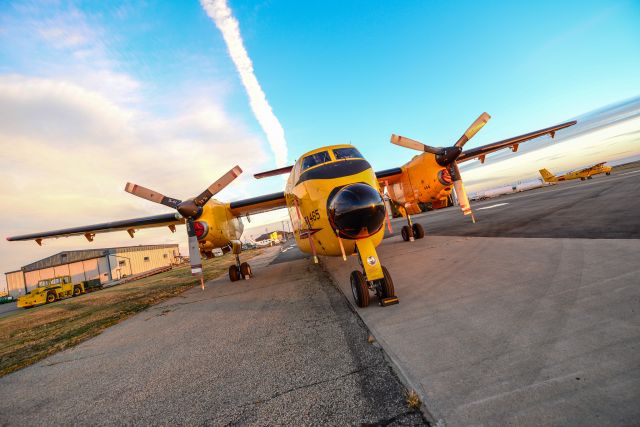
(29, 336)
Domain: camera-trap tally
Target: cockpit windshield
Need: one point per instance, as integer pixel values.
(315, 159)
(346, 153)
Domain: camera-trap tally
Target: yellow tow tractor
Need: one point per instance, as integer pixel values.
(51, 290)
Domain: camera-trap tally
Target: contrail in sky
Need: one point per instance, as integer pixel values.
(221, 14)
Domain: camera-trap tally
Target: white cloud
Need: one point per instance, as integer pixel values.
(220, 12)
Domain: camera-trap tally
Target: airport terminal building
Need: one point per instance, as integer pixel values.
(104, 264)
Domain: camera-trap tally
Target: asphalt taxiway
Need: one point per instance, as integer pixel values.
(283, 348)
(529, 317)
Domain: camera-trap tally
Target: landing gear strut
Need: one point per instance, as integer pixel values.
(239, 270)
(361, 285)
(412, 231)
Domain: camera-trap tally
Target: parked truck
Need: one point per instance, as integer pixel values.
(51, 290)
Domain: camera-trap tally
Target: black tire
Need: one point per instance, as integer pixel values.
(234, 273)
(581, 179)
(359, 289)
(76, 291)
(607, 173)
(418, 231)
(589, 177)
(51, 297)
(387, 284)
(405, 233)
(245, 270)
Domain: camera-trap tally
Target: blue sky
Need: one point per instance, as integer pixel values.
(147, 91)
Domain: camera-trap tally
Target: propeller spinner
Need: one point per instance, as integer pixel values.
(446, 156)
(190, 209)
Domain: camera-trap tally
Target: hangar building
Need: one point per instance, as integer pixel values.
(104, 264)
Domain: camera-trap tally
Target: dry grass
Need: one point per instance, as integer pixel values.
(31, 335)
(413, 400)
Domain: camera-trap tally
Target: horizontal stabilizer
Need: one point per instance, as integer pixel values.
(273, 172)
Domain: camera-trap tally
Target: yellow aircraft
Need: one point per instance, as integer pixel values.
(335, 202)
(583, 174)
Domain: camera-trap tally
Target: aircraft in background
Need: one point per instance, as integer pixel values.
(334, 200)
(583, 174)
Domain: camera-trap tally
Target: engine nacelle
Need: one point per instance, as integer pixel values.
(423, 180)
(216, 226)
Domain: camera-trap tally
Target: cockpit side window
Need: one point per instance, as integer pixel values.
(315, 159)
(346, 153)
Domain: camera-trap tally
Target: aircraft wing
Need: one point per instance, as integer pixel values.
(389, 176)
(170, 219)
(482, 151)
(258, 204)
(591, 167)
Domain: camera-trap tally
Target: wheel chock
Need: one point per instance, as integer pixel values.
(389, 301)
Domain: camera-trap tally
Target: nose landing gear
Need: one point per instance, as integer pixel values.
(376, 278)
(239, 270)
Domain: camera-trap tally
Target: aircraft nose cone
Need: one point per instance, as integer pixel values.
(357, 211)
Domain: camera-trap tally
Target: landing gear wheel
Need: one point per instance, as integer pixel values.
(76, 291)
(234, 273)
(360, 289)
(418, 231)
(51, 297)
(581, 179)
(607, 173)
(589, 177)
(245, 270)
(405, 233)
(387, 284)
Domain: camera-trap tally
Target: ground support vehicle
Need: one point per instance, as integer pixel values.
(51, 290)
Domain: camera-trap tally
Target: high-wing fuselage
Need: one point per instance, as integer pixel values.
(320, 186)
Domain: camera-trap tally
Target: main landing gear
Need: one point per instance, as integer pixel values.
(239, 270)
(382, 286)
(412, 231)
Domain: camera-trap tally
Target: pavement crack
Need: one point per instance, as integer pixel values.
(282, 393)
(73, 360)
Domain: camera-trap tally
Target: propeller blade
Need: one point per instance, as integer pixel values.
(413, 144)
(461, 194)
(151, 195)
(194, 252)
(217, 186)
(473, 129)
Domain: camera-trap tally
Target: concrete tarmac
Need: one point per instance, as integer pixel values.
(283, 348)
(519, 331)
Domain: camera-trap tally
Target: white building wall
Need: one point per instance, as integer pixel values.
(130, 262)
(15, 283)
(76, 270)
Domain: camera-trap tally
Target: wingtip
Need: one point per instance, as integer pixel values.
(129, 187)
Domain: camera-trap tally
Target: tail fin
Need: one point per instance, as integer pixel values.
(547, 176)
